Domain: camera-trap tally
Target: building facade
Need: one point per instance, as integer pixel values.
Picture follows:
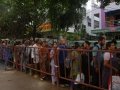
(111, 22)
(101, 21)
(92, 19)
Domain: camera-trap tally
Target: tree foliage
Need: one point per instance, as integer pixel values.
(18, 16)
(66, 13)
(21, 17)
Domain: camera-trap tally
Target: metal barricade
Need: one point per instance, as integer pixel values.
(71, 66)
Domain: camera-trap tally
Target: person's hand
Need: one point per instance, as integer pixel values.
(97, 69)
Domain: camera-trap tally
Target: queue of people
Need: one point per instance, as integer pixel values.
(68, 66)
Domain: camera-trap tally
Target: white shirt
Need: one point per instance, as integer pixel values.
(51, 53)
(107, 56)
(35, 53)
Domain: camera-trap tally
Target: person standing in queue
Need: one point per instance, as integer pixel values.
(62, 54)
(98, 62)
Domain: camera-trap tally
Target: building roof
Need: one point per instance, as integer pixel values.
(111, 7)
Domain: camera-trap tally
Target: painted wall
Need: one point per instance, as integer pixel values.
(92, 8)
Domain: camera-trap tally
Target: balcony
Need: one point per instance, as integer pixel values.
(110, 26)
(113, 23)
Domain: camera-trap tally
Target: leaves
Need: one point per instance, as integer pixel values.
(66, 13)
(18, 15)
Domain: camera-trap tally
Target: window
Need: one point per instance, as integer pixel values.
(97, 15)
(89, 21)
(96, 24)
(84, 27)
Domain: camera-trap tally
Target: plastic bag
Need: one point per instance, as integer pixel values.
(80, 78)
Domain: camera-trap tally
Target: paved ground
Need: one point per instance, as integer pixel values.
(15, 80)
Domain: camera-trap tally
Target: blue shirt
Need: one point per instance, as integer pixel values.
(95, 48)
(98, 54)
(62, 53)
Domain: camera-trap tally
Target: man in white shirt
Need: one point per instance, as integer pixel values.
(35, 56)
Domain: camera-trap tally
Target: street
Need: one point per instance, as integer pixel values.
(15, 80)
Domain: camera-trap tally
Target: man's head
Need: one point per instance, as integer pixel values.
(37, 41)
(76, 45)
(110, 46)
(86, 44)
(27, 42)
(55, 44)
(101, 40)
(62, 41)
(114, 41)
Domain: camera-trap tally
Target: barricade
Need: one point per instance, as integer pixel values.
(77, 68)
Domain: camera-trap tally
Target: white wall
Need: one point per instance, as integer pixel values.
(91, 9)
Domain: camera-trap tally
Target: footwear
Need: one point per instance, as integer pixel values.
(35, 76)
(41, 79)
(53, 83)
(30, 74)
(62, 85)
(67, 85)
(9, 68)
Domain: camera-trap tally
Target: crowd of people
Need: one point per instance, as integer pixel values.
(79, 63)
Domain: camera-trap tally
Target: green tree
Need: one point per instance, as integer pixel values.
(31, 13)
(5, 8)
(21, 15)
(65, 13)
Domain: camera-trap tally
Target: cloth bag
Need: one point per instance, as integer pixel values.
(115, 83)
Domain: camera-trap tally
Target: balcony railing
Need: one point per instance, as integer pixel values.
(113, 23)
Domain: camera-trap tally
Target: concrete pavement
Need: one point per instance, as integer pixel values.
(15, 80)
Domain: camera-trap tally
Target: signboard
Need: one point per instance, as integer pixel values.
(45, 27)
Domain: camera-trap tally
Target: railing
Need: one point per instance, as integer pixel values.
(65, 66)
(113, 23)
